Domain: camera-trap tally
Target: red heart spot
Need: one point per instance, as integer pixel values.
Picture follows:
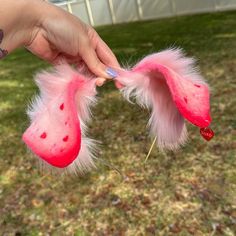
(207, 133)
(62, 106)
(65, 139)
(43, 135)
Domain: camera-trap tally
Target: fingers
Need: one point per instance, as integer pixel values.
(119, 85)
(100, 81)
(90, 57)
(43, 49)
(105, 54)
(98, 56)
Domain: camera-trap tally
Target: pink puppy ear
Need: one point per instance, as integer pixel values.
(167, 83)
(56, 133)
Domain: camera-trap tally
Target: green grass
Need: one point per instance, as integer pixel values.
(189, 192)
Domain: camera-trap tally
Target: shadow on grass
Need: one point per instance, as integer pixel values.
(188, 192)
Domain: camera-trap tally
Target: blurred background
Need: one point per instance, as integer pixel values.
(119, 11)
(188, 192)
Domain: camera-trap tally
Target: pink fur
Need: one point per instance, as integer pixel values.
(165, 82)
(169, 85)
(58, 119)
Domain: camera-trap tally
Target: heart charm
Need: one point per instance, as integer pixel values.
(207, 133)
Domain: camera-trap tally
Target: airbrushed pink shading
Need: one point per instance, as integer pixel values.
(58, 116)
(169, 85)
(165, 82)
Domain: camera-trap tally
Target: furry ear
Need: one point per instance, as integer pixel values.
(169, 85)
(58, 119)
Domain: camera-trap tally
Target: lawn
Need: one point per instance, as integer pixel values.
(188, 192)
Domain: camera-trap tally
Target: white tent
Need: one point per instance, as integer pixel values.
(102, 12)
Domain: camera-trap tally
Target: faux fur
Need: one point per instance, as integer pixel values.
(63, 86)
(169, 85)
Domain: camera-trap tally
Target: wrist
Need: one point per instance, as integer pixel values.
(18, 20)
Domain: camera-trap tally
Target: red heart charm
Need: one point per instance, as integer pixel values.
(207, 133)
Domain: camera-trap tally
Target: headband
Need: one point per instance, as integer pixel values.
(166, 83)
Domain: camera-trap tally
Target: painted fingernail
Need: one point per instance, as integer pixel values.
(111, 73)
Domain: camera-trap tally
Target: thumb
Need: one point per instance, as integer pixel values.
(91, 59)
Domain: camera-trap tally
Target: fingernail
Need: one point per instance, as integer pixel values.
(112, 73)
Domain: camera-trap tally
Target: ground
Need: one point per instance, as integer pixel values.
(188, 192)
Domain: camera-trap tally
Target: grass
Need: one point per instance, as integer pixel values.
(189, 192)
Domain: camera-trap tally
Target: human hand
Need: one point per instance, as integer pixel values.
(55, 35)
(62, 36)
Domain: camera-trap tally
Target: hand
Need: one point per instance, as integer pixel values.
(63, 36)
(56, 35)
